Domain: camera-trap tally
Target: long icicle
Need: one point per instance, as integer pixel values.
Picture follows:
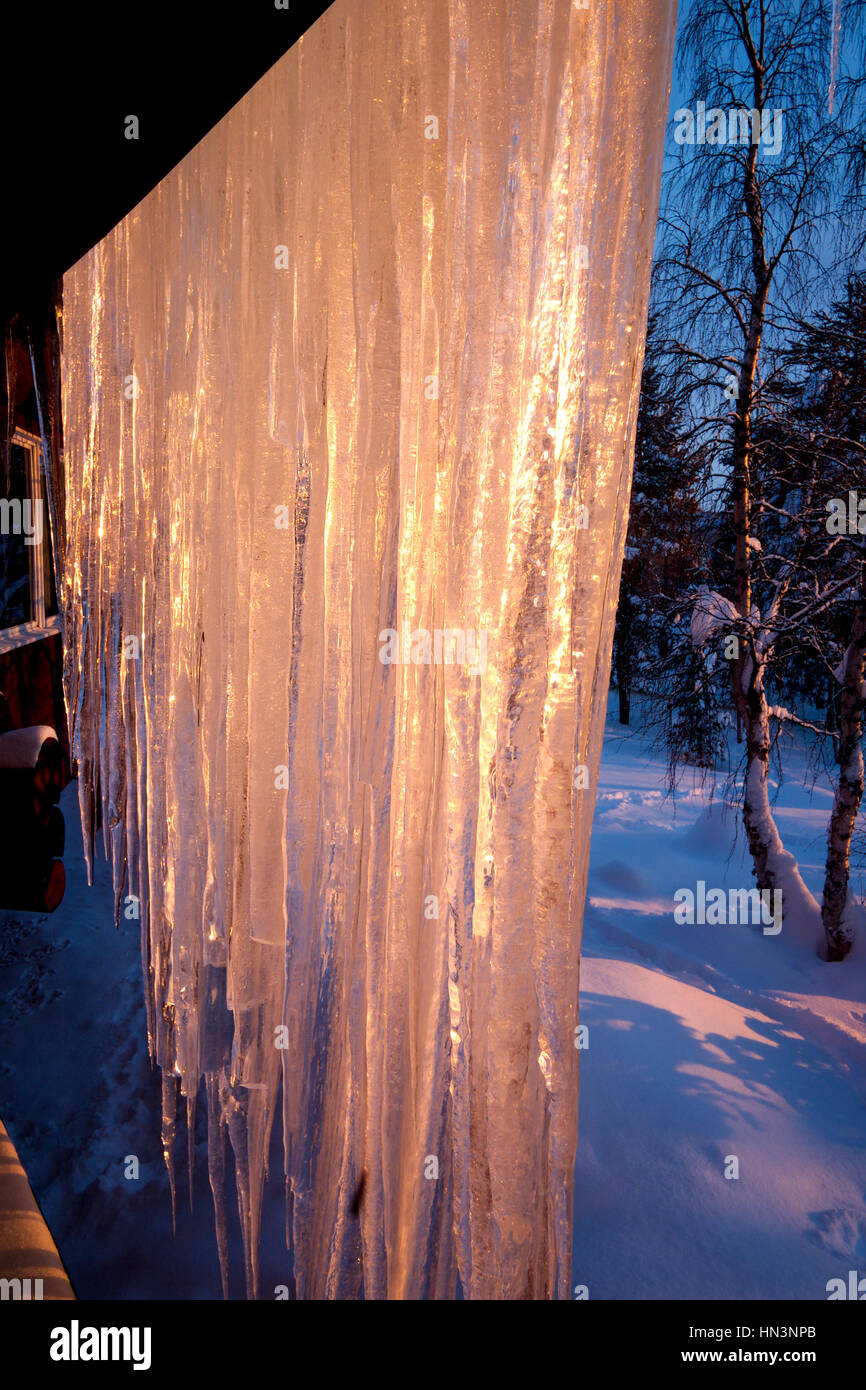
(349, 408)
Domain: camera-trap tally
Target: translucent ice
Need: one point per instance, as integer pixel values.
(349, 407)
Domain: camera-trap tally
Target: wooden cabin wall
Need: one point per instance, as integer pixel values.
(31, 675)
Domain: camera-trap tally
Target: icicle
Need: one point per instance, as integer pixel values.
(339, 397)
(835, 40)
(169, 1130)
(234, 1109)
(190, 1150)
(216, 1160)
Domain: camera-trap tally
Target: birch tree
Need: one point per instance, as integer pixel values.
(747, 243)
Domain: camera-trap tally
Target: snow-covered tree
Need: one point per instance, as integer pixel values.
(832, 357)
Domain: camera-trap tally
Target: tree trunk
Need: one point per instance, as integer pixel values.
(761, 830)
(747, 673)
(623, 680)
(849, 789)
(831, 721)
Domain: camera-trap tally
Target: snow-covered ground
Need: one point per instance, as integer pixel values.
(712, 1041)
(705, 1042)
(79, 1098)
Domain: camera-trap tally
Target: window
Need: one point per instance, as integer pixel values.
(28, 596)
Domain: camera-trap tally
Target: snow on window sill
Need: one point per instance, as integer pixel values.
(13, 637)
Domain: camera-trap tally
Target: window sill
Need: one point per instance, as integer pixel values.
(11, 638)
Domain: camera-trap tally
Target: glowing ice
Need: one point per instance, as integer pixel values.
(367, 360)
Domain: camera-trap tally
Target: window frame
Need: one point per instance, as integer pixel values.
(39, 626)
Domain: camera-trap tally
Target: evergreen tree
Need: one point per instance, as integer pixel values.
(664, 534)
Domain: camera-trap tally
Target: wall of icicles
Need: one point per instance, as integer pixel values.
(349, 403)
